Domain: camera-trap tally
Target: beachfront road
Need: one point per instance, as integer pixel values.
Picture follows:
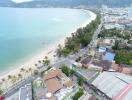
(12, 90)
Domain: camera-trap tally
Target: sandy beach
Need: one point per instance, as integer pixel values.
(49, 52)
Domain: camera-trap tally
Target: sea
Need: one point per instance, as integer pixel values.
(25, 31)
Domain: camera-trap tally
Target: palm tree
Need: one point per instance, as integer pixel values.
(30, 70)
(27, 72)
(22, 69)
(3, 79)
(1, 91)
(36, 65)
(20, 76)
(9, 77)
(4, 82)
(59, 51)
(39, 61)
(14, 78)
(46, 61)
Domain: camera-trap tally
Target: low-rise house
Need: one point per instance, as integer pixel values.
(109, 56)
(85, 62)
(107, 42)
(122, 68)
(102, 49)
(101, 64)
(53, 86)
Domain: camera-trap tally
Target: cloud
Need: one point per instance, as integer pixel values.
(20, 1)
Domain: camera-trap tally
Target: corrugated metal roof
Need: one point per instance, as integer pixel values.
(112, 83)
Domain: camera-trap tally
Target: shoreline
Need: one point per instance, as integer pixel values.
(49, 52)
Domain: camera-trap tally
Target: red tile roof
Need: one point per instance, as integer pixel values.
(53, 85)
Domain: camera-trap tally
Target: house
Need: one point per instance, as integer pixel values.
(109, 56)
(101, 64)
(85, 62)
(52, 85)
(122, 68)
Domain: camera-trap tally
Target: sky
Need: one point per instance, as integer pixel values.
(20, 1)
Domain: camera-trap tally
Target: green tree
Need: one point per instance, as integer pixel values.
(46, 61)
(81, 38)
(72, 72)
(80, 81)
(65, 70)
(116, 46)
(123, 57)
(1, 91)
(59, 51)
(78, 94)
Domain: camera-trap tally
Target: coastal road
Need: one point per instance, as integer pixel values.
(93, 43)
(17, 86)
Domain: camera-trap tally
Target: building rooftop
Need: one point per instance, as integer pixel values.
(86, 60)
(53, 85)
(26, 92)
(102, 63)
(102, 49)
(69, 83)
(52, 74)
(115, 85)
(109, 56)
(53, 82)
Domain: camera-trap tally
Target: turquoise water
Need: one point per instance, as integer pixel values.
(24, 31)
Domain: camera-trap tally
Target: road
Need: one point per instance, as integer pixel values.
(17, 86)
(93, 43)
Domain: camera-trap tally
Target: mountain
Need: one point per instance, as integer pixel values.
(69, 3)
(6, 3)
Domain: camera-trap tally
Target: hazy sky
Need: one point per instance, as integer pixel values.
(19, 1)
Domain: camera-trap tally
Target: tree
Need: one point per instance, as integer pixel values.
(80, 81)
(65, 70)
(22, 69)
(59, 51)
(27, 72)
(30, 70)
(78, 94)
(81, 38)
(123, 57)
(39, 61)
(9, 77)
(72, 72)
(14, 78)
(46, 61)
(116, 46)
(20, 76)
(3, 79)
(1, 91)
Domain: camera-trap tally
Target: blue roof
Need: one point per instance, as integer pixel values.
(102, 49)
(109, 56)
